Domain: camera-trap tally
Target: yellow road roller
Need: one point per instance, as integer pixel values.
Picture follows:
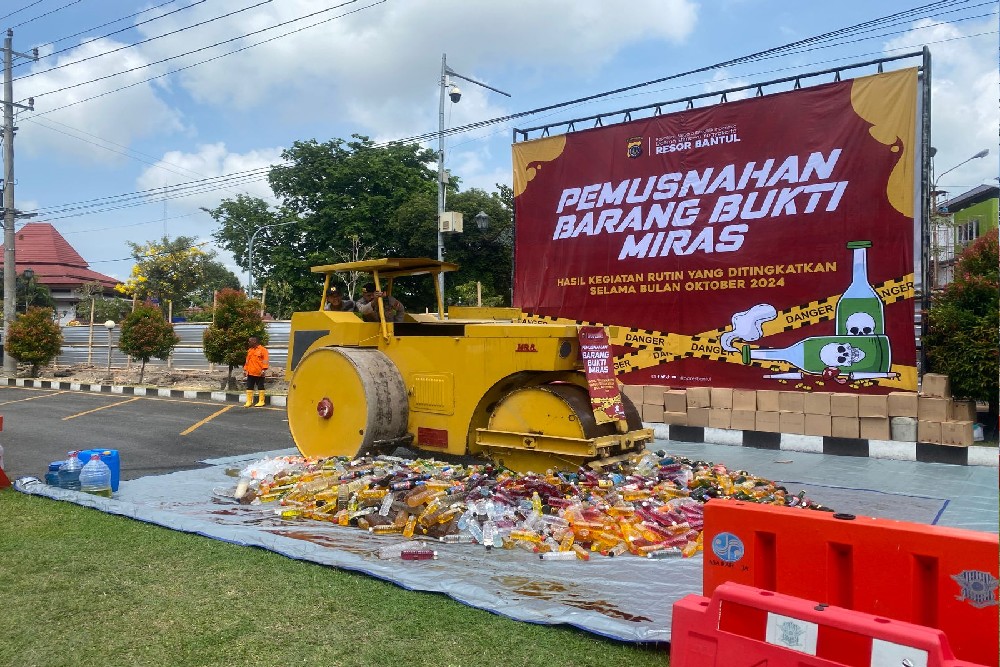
(473, 383)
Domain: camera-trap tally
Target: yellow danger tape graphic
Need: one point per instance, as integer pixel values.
(653, 348)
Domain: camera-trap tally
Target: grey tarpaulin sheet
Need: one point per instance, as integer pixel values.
(625, 598)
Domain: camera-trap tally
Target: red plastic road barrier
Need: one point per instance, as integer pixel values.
(943, 578)
(742, 626)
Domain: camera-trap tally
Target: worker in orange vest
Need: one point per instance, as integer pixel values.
(255, 368)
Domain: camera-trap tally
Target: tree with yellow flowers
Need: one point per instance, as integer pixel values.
(178, 270)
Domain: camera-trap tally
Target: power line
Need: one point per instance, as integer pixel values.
(139, 43)
(154, 254)
(127, 152)
(208, 60)
(156, 194)
(118, 227)
(18, 11)
(51, 11)
(104, 25)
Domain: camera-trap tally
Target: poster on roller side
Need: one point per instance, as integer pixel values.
(598, 366)
(764, 243)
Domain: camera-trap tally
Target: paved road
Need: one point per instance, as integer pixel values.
(152, 435)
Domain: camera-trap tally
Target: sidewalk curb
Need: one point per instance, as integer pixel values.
(278, 400)
(924, 452)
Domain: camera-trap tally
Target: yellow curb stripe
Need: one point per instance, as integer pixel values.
(207, 419)
(103, 407)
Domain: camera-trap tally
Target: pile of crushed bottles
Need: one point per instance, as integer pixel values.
(650, 505)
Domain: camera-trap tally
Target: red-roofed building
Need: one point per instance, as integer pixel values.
(39, 247)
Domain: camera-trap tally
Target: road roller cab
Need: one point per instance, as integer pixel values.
(476, 383)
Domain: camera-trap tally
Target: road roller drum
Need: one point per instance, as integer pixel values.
(345, 401)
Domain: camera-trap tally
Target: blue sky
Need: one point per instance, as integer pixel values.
(372, 67)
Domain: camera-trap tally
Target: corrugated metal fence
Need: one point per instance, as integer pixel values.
(82, 347)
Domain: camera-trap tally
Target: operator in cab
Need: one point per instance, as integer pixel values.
(335, 300)
(367, 305)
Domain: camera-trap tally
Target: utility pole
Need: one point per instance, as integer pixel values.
(9, 213)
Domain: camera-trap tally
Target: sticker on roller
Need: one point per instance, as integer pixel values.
(728, 547)
(887, 653)
(978, 588)
(792, 633)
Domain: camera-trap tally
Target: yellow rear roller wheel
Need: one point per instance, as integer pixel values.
(555, 428)
(556, 409)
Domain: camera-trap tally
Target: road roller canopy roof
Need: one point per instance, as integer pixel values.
(391, 267)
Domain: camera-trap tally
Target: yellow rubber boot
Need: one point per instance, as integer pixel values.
(260, 400)
(249, 399)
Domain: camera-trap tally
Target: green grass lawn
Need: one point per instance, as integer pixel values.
(84, 588)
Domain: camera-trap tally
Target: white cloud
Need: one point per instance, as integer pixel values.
(370, 68)
(121, 118)
(965, 84)
(210, 162)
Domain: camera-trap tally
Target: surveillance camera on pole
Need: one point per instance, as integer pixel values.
(455, 94)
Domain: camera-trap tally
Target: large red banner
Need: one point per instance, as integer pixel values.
(761, 243)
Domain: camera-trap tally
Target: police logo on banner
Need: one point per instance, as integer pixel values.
(635, 147)
(978, 587)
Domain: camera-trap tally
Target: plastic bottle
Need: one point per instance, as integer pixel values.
(69, 473)
(95, 477)
(52, 476)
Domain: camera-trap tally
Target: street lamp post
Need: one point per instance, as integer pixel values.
(109, 325)
(253, 237)
(29, 277)
(934, 227)
(455, 94)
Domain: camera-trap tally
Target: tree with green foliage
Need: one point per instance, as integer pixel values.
(237, 318)
(34, 338)
(146, 334)
(337, 195)
(217, 277)
(175, 270)
(962, 339)
(91, 295)
(485, 255)
(29, 292)
(240, 219)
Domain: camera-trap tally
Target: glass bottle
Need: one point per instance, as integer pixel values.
(860, 310)
(850, 354)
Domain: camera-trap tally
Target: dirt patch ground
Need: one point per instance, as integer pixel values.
(158, 376)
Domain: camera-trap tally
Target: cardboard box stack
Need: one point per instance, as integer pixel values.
(940, 419)
(930, 416)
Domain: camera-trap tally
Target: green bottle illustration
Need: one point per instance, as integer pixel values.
(860, 310)
(851, 355)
